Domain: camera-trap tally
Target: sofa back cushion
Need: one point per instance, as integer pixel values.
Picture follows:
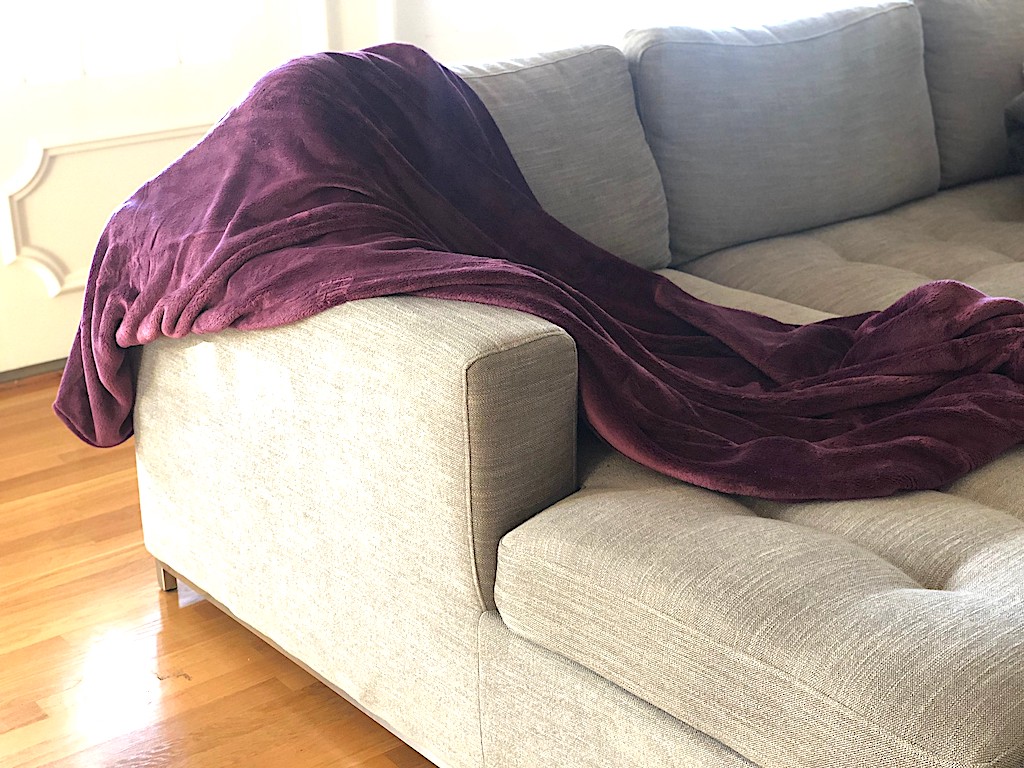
(570, 120)
(973, 51)
(766, 131)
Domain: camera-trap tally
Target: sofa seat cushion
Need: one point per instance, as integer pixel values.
(972, 233)
(723, 295)
(887, 632)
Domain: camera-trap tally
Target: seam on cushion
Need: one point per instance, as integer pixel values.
(496, 349)
(965, 497)
(968, 498)
(480, 689)
(1017, 753)
(468, 448)
(752, 504)
(945, 490)
(560, 571)
(540, 64)
(771, 44)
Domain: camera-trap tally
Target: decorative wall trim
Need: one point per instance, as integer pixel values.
(59, 251)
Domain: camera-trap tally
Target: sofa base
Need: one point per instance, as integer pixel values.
(540, 708)
(559, 714)
(167, 574)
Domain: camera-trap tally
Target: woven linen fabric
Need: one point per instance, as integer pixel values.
(973, 234)
(972, 56)
(538, 708)
(280, 471)
(765, 131)
(349, 176)
(560, 113)
(883, 632)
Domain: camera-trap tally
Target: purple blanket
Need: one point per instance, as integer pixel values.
(346, 176)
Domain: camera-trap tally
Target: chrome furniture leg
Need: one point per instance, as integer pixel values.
(167, 581)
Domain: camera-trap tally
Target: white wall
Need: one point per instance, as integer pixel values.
(73, 147)
(89, 115)
(456, 31)
(470, 30)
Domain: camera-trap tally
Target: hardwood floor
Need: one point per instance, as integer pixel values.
(100, 668)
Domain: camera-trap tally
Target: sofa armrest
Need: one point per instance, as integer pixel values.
(346, 478)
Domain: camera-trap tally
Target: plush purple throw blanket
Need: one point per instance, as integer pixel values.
(346, 176)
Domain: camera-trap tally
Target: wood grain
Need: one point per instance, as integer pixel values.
(98, 667)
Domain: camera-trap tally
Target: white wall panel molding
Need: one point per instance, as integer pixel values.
(57, 205)
(88, 92)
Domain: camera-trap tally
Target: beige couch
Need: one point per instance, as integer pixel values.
(396, 494)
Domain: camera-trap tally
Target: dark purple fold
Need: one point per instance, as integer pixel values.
(346, 176)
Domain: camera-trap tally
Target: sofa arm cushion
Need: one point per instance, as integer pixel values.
(339, 484)
(452, 422)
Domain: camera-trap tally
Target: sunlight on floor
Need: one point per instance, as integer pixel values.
(118, 688)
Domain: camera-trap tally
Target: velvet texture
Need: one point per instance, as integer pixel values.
(346, 176)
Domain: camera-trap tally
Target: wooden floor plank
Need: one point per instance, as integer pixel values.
(100, 668)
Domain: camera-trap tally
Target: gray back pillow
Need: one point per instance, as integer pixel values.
(570, 120)
(972, 53)
(770, 130)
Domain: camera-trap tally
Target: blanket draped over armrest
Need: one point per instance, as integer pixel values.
(346, 176)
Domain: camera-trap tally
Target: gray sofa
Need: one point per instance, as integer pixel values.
(397, 494)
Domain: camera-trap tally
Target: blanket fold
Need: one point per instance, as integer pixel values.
(347, 176)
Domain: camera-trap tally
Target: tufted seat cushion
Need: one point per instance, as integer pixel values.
(974, 234)
(862, 633)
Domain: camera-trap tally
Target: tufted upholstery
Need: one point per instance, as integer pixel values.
(871, 633)
(867, 633)
(974, 234)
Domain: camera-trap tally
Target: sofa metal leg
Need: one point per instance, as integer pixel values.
(167, 580)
